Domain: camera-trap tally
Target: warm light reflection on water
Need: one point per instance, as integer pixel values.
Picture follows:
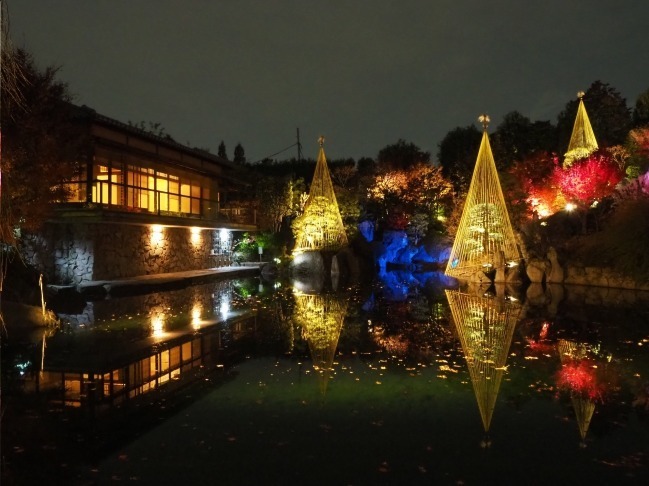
(196, 316)
(389, 378)
(157, 323)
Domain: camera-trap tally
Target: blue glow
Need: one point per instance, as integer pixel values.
(366, 228)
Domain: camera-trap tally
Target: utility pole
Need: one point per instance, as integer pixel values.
(299, 147)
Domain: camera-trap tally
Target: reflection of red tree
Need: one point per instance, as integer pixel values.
(580, 377)
(541, 345)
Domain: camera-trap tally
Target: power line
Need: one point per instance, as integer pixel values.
(276, 153)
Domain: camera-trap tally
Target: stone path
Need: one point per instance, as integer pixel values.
(161, 281)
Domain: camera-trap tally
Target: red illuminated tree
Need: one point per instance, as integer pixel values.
(587, 181)
(534, 184)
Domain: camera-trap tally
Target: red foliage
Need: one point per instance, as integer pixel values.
(534, 176)
(588, 180)
(580, 377)
(397, 219)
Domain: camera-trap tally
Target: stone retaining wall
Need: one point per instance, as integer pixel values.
(82, 252)
(600, 277)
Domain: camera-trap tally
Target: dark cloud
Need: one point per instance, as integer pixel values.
(363, 73)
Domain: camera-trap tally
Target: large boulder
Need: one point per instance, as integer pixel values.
(555, 272)
(308, 263)
(536, 269)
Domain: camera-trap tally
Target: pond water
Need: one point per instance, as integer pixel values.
(404, 381)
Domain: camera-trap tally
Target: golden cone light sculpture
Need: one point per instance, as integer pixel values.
(582, 141)
(320, 227)
(485, 230)
(485, 327)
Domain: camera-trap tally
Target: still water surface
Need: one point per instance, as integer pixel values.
(401, 382)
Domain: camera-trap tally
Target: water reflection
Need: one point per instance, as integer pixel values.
(580, 376)
(320, 318)
(401, 391)
(485, 326)
(123, 348)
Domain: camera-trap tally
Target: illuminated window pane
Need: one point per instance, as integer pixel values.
(196, 206)
(174, 358)
(187, 351)
(164, 361)
(185, 189)
(185, 205)
(164, 201)
(196, 190)
(174, 203)
(162, 185)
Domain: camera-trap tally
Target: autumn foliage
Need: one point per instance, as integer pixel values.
(397, 195)
(588, 180)
(548, 186)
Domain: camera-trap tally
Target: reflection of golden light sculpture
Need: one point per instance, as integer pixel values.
(485, 229)
(582, 141)
(485, 327)
(321, 319)
(320, 227)
(571, 352)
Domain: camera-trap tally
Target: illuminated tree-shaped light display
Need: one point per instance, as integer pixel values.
(320, 317)
(582, 141)
(320, 227)
(578, 375)
(485, 327)
(485, 231)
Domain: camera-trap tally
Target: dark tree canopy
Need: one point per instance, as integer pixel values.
(457, 155)
(42, 144)
(517, 137)
(608, 114)
(401, 155)
(366, 166)
(641, 110)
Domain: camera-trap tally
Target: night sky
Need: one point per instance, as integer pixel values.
(361, 73)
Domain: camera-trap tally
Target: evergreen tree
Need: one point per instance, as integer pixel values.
(222, 153)
(641, 110)
(239, 154)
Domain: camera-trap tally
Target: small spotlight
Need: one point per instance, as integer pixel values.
(570, 207)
